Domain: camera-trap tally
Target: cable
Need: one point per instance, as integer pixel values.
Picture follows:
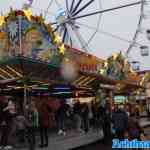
(98, 23)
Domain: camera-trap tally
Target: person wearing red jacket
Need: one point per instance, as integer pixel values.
(44, 118)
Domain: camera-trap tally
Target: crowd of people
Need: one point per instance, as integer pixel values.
(17, 125)
(126, 125)
(25, 125)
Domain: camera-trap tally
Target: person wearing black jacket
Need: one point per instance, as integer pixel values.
(105, 121)
(85, 117)
(61, 115)
(120, 122)
(77, 115)
(5, 121)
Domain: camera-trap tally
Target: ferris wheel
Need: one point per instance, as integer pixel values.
(141, 41)
(100, 27)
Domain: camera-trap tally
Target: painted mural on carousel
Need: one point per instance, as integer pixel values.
(117, 67)
(28, 36)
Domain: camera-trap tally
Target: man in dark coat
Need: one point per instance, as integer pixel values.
(85, 117)
(105, 122)
(5, 121)
(120, 122)
(61, 115)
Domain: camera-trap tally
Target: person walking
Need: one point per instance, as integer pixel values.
(61, 115)
(85, 117)
(44, 120)
(77, 115)
(134, 130)
(120, 122)
(21, 125)
(7, 111)
(32, 117)
(94, 117)
(105, 122)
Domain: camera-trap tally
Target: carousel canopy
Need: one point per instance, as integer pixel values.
(31, 54)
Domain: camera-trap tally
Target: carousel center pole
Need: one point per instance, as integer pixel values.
(20, 35)
(20, 52)
(25, 99)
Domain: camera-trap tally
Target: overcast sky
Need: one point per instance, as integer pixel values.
(121, 23)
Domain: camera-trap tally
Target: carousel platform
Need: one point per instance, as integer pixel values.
(71, 140)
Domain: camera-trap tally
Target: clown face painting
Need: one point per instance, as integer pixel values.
(31, 42)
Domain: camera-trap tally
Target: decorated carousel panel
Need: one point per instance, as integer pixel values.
(28, 45)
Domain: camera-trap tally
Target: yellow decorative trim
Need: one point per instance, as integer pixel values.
(2, 20)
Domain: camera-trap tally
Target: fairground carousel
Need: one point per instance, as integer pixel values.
(33, 58)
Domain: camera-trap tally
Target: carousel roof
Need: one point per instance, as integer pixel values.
(32, 54)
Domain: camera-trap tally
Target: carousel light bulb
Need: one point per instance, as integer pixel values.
(105, 64)
(67, 59)
(102, 71)
(28, 13)
(57, 38)
(62, 49)
(131, 70)
(115, 56)
(126, 62)
(2, 20)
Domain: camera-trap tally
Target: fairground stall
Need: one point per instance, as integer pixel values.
(126, 81)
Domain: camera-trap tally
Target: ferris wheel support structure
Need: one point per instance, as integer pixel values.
(137, 30)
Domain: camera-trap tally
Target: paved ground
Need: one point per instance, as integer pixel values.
(97, 146)
(73, 138)
(100, 145)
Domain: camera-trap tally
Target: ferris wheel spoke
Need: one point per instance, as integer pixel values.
(72, 5)
(43, 10)
(57, 3)
(76, 7)
(108, 34)
(49, 5)
(85, 6)
(64, 35)
(82, 42)
(137, 31)
(101, 11)
(106, 10)
(56, 29)
(67, 6)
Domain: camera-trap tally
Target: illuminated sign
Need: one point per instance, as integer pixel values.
(120, 99)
